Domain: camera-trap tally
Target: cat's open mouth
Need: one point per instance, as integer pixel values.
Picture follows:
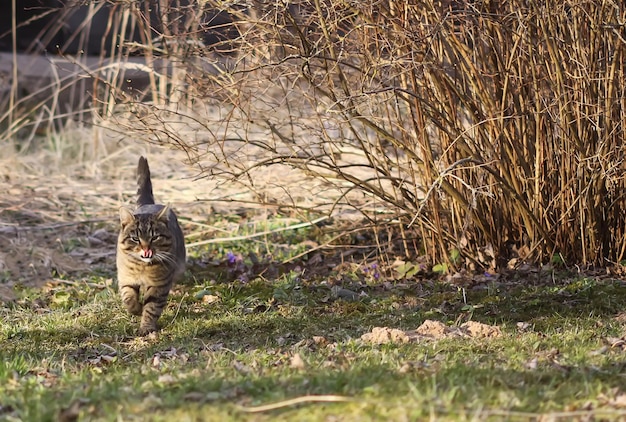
(146, 255)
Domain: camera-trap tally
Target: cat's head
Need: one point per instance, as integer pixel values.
(146, 237)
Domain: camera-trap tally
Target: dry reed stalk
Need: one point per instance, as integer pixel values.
(489, 126)
(510, 88)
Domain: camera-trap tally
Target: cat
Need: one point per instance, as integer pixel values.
(150, 254)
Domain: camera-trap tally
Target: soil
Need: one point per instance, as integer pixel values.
(430, 330)
(59, 201)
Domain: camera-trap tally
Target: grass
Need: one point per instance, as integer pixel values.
(253, 325)
(69, 351)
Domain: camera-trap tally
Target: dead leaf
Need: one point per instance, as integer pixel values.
(320, 340)
(102, 359)
(208, 299)
(398, 262)
(297, 362)
(618, 401)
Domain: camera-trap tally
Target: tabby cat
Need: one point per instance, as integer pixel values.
(150, 254)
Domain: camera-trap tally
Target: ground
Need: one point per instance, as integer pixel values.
(273, 321)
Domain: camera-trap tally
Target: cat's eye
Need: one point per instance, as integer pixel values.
(134, 239)
(157, 237)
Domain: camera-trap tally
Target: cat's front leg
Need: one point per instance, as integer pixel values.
(130, 298)
(155, 299)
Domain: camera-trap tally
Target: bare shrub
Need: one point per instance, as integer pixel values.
(493, 129)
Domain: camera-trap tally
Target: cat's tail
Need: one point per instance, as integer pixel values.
(144, 185)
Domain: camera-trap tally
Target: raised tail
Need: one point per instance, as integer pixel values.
(144, 184)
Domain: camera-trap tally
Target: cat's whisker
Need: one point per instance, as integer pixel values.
(165, 257)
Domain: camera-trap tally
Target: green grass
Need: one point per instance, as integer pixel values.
(70, 351)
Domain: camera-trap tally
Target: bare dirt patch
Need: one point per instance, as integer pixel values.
(59, 210)
(51, 227)
(58, 213)
(430, 330)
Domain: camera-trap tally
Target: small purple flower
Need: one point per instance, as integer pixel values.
(231, 257)
(371, 270)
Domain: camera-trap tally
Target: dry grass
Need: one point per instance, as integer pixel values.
(58, 217)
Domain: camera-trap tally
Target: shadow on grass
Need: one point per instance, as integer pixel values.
(449, 379)
(257, 315)
(239, 349)
(548, 305)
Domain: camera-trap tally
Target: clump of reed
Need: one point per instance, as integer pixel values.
(488, 130)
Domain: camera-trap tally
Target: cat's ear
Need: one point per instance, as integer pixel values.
(126, 216)
(164, 214)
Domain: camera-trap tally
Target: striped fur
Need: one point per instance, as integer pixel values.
(150, 254)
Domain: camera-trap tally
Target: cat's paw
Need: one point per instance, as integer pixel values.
(135, 309)
(145, 330)
(132, 305)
